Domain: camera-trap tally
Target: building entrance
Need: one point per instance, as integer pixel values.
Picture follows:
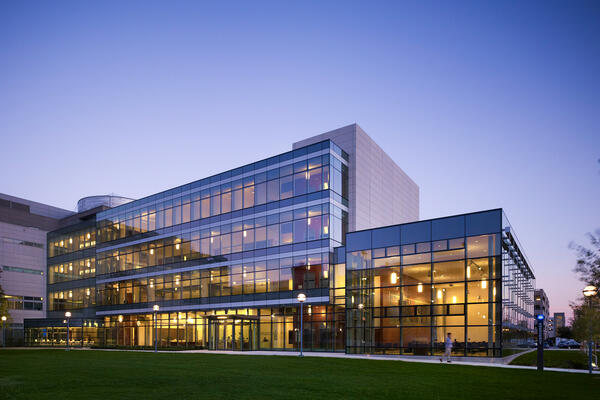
(232, 332)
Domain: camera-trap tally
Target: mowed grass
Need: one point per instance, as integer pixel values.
(570, 359)
(57, 374)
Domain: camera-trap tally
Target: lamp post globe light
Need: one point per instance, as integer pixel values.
(4, 331)
(155, 308)
(301, 299)
(68, 316)
(589, 292)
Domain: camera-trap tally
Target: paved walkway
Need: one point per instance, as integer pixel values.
(473, 361)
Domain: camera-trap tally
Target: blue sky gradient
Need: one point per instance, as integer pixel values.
(483, 104)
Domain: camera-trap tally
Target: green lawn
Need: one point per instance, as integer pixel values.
(510, 352)
(57, 374)
(571, 359)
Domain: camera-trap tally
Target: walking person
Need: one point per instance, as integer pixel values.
(448, 347)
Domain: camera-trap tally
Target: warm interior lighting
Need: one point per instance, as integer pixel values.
(190, 320)
(211, 239)
(177, 246)
(494, 291)
(394, 278)
(62, 243)
(439, 294)
(468, 272)
(308, 221)
(89, 236)
(245, 233)
(454, 299)
(325, 186)
(87, 292)
(70, 293)
(483, 284)
(70, 240)
(68, 314)
(70, 267)
(309, 310)
(156, 307)
(420, 288)
(151, 251)
(325, 274)
(325, 230)
(222, 317)
(120, 318)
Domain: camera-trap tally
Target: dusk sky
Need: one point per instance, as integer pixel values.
(483, 104)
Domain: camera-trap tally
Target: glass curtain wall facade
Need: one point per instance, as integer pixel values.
(71, 286)
(225, 257)
(409, 285)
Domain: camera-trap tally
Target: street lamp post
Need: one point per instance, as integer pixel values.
(301, 299)
(589, 292)
(155, 308)
(68, 317)
(4, 331)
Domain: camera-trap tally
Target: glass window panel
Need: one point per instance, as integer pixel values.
(215, 205)
(205, 209)
(482, 246)
(456, 243)
(315, 180)
(479, 268)
(300, 183)
(449, 293)
(273, 190)
(249, 196)
(226, 202)
(248, 237)
(478, 291)
(260, 193)
(300, 230)
(449, 271)
(416, 295)
(479, 314)
(416, 340)
(415, 274)
(236, 242)
(286, 187)
(440, 245)
(273, 235)
(314, 228)
(260, 238)
(448, 255)
(286, 233)
(416, 258)
(237, 199)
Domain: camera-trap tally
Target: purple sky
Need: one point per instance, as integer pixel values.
(483, 104)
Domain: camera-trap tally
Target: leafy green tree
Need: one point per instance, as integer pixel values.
(564, 332)
(583, 317)
(588, 260)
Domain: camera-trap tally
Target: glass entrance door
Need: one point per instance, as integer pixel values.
(233, 334)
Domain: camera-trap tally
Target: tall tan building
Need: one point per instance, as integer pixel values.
(23, 228)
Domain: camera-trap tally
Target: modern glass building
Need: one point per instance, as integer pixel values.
(224, 258)
(408, 286)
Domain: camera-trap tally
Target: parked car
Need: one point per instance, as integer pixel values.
(569, 344)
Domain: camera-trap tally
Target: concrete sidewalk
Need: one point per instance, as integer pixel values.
(476, 362)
